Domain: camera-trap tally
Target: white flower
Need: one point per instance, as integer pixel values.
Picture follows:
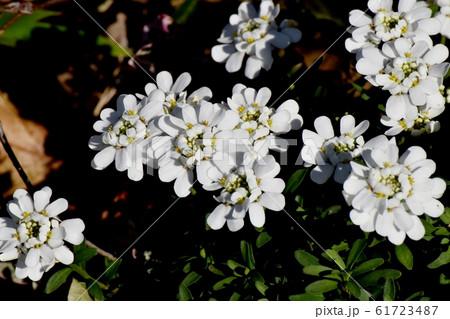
(35, 235)
(247, 188)
(264, 123)
(391, 192)
(412, 18)
(329, 153)
(125, 134)
(253, 33)
(192, 137)
(406, 68)
(443, 15)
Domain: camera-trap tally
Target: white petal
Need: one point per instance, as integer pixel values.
(32, 258)
(272, 201)
(437, 54)
(181, 83)
(164, 80)
(216, 219)
(321, 173)
(235, 224)
(273, 185)
(257, 215)
(252, 67)
(104, 158)
(183, 183)
(73, 230)
(324, 127)
(41, 199)
(234, 62)
(64, 255)
(57, 207)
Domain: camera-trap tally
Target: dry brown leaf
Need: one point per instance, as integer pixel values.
(27, 139)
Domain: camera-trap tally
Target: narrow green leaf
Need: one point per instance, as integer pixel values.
(367, 266)
(404, 255)
(233, 264)
(389, 290)
(321, 286)
(263, 238)
(112, 268)
(184, 293)
(415, 295)
(261, 287)
(315, 270)
(191, 278)
(373, 278)
(84, 254)
(215, 270)
(357, 249)
(305, 258)
(443, 259)
(334, 255)
(247, 254)
(354, 289)
(295, 180)
(445, 217)
(95, 290)
(78, 292)
(307, 297)
(443, 280)
(57, 279)
(183, 13)
(223, 283)
(235, 296)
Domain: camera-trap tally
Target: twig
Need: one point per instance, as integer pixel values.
(100, 251)
(14, 159)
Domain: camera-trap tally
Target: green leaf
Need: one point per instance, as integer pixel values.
(223, 283)
(95, 290)
(404, 255)
(191, 278)
(85, 275)
(112, 267)
(415, 295)
(315, 270)
(215, 270)
(261, 287)
(233, 264)
(334, 255)
(354, 289)
(78, 291)
(373, 278)
(443, 259)
(184, 293)
(183, 13)
(22, 28)
(367, 266)
(443, 280)
(357, 249)
(321, 286)
(84, 254)
(445, 217)
(247, 254)
(389, 290)
(307, 297)
(263, 238)
(57, 279)
(305, 258)
(295, 180)
(235, 296)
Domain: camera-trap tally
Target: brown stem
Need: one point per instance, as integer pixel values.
(100, 251)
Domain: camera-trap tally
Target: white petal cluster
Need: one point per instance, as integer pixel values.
(391, 192)
(395, 52)
(246, 188)
(412, 18)
(330, 153)
(253, 33)
(35, 235)
(443, 15)
(187, 138)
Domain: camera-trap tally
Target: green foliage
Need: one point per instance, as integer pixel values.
(404, 255)
(57, 279)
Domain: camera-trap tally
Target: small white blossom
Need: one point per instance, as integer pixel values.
(412, 18)
(391, 192)
(35, 235)
(253, 33)
(251, 189)
(332, 154)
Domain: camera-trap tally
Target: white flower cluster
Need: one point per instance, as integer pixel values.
(188, 138)
(330, 153)
(253, 33)
(394, 51)
(35, 235)
(391, 192)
